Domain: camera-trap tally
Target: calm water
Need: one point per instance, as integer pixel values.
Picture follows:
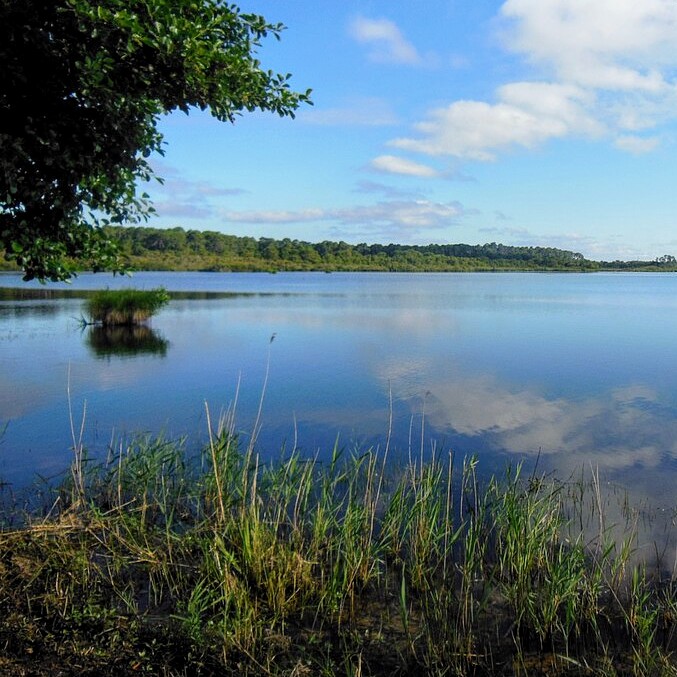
(579, 368)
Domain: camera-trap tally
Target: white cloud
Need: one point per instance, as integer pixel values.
(604, 68)
(365, 112)
(390, 192)
(562, 104)
(276, 216)
(637, 144)
(182, 208)
(609, 44)
(181, 197)
(473, 129)
(386, 41)
(527, 114)
(391, 164)
(410, 214)
(392, 217)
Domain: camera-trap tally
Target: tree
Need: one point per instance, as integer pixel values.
(83, 84)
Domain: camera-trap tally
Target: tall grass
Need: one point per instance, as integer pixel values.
(229, 565)
(125, 306)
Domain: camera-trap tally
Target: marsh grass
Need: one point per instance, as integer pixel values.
(125, 306)
(224, 564)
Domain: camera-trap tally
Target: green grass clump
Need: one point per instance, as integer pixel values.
(152, 564)
(125, 306)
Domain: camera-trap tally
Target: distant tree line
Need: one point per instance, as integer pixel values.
(146, 248)
(176, 248)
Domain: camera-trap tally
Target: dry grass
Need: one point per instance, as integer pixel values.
(229, 566)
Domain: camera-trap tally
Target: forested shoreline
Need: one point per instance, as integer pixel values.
(176, 249)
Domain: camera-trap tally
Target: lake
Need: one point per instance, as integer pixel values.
(577, 370)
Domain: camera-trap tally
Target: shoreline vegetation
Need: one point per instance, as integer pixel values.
(155, 563)
(176, 249)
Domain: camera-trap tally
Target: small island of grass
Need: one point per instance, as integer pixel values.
(111, 307)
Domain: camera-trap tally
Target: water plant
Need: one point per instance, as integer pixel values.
(155, 561)
(125, 306)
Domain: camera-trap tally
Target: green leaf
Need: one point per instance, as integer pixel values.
(91, 95)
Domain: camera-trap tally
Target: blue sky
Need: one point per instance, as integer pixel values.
(527, 122)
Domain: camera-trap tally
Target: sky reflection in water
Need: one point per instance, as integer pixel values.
(580, 369)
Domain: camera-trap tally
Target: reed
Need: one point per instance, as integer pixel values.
(111, 307)
(222, 564)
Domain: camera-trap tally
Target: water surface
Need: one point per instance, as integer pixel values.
(579, 370)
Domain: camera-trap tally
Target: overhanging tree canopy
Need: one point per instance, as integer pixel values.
(82, 86)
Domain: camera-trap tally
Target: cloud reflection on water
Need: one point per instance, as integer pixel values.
(618, 430)
(626, 434)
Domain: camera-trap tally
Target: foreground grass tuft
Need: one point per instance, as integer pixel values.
(229, 566)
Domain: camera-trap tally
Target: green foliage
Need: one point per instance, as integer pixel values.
(83, 84)
(176, 249)
(222, 564)
(125, 306)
